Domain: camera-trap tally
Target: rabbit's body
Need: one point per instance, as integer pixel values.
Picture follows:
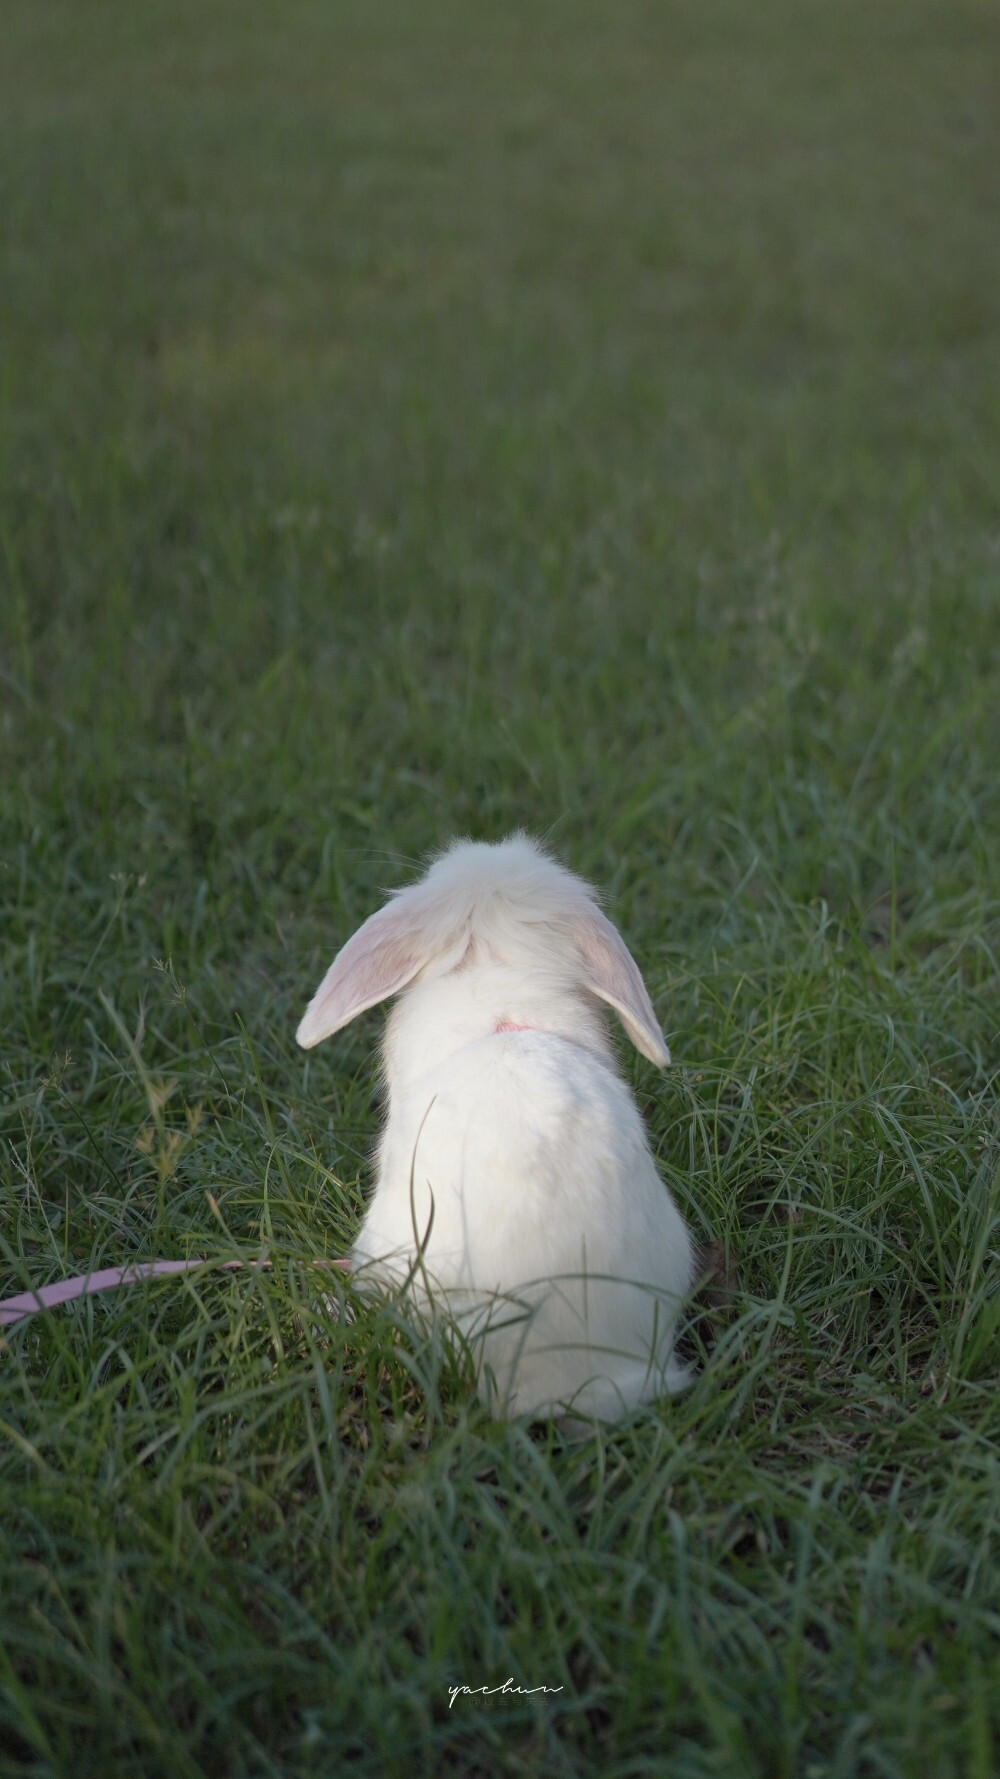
(519, 1168)
(514, 1180)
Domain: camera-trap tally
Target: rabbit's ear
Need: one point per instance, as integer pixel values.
(382, 957)
(613, 975)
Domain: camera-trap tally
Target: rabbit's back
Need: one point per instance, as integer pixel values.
(520, 1157)
(522, 1169)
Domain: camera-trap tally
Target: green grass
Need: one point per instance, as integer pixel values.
(418, 421)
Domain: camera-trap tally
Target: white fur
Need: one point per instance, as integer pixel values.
(514, 1175)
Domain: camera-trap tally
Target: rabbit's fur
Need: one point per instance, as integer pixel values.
(515, 1181)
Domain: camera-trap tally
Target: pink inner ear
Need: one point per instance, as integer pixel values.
(380, 959)
(613, 975)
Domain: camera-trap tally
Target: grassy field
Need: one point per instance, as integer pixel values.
(419, 421)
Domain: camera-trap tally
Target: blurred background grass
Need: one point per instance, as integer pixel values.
(415, 423)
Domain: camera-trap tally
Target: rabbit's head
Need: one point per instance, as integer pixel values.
(481, 907)
(508, 906)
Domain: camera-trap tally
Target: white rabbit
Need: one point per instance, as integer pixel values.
(514, 1175)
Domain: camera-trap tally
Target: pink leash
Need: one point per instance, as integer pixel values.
(49, 1297)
